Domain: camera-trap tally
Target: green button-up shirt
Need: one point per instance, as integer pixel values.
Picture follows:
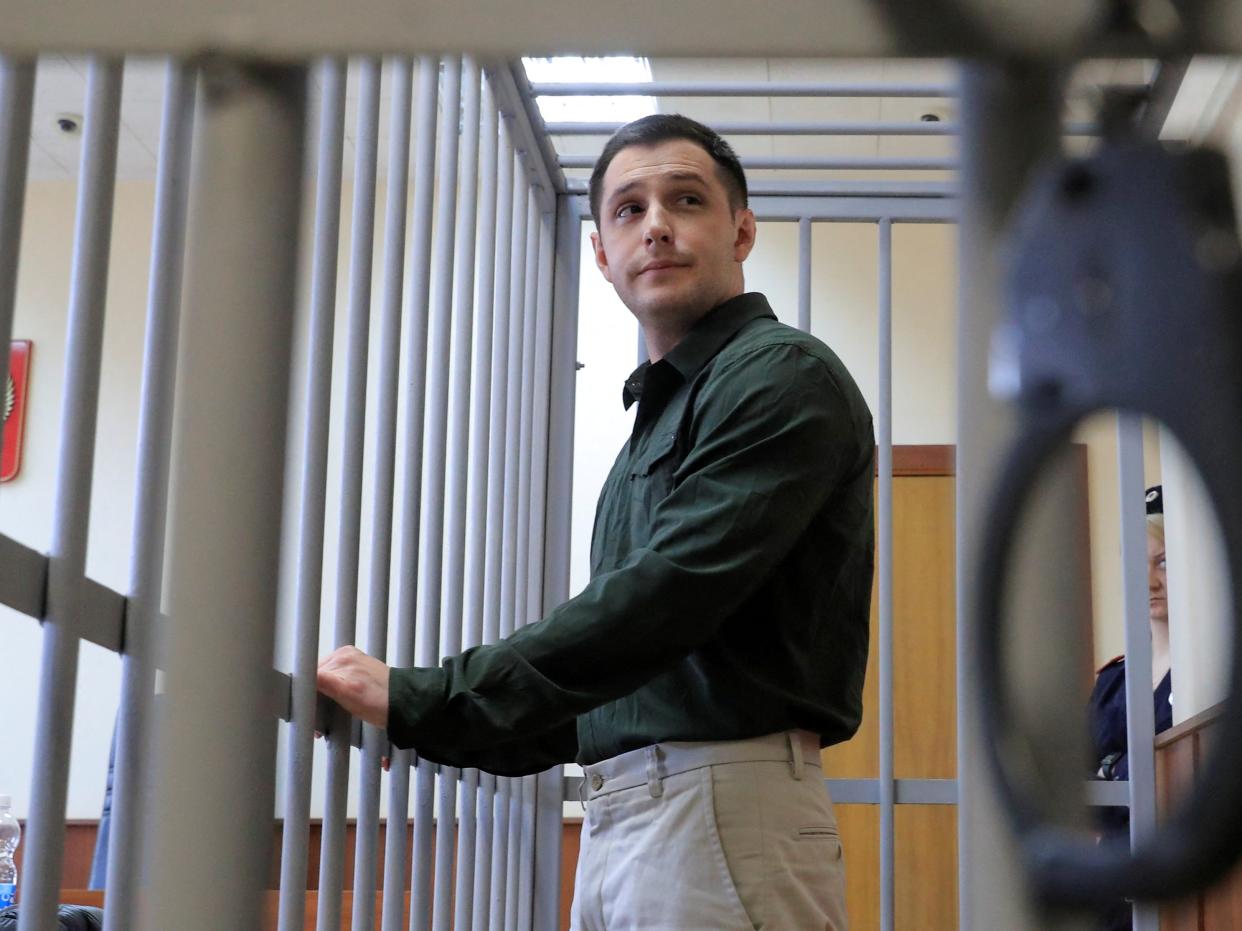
(731, 569)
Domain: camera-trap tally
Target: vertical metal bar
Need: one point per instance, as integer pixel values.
(133, 754)
(500, 853)
(489, 830)
(566, 269)
(417, 267)
(362, 253)
(541, 381)
(455, 470)
(549, 827)
(484, 851)
(459, 466)
(526, 435)
(17, 79)
(539, 290)
(884, 429)
(484, 368)
(564, 265)
(458, 400)
(804, 274)
(401, 77)
(1140, 713)
(71, 510)
(526, 858)
(431, 569)
(510, 594)
(506, 848)
(225, 535)
(313, 492)
(1010, 121)
(520, 825)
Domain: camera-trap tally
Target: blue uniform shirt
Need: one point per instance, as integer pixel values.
(1108, 717)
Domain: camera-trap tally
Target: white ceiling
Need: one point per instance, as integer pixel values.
(61, 88)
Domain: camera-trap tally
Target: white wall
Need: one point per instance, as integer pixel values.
(26, 503)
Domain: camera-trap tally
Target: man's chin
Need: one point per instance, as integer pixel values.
(671, 302)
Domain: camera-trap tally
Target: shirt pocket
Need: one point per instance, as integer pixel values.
(659, 458)
(651, 474)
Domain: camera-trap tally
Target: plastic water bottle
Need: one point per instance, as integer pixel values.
(10, 836)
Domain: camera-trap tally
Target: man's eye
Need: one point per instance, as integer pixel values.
(628, 210)
(691, 199)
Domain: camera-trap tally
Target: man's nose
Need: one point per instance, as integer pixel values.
(657, 228)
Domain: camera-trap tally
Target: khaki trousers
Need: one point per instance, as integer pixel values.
(731, 835)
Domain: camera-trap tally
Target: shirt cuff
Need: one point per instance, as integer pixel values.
(414, 696)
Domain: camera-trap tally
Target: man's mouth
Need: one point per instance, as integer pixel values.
(660, 266)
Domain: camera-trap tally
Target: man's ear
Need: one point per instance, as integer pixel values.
(744, 241)
(601, 259)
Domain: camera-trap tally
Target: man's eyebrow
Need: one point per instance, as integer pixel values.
(681, 176)
(624, 189)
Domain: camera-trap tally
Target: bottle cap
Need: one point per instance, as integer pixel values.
(6, 801)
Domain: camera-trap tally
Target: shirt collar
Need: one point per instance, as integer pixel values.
(704, 340)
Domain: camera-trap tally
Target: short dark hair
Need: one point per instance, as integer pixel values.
(666, 127)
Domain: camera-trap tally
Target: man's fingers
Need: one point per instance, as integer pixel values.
(357, 682)
(331, 683)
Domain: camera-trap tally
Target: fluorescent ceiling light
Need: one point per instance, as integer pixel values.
(574, 70)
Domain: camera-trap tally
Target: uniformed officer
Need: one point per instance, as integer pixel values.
(1107, 708)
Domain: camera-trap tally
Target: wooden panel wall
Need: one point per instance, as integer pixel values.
(80, 845)
(924, 709)
(1180, 752)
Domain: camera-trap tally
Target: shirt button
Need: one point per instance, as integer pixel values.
(597, 781)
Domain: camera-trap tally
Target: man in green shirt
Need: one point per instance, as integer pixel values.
(722, 639)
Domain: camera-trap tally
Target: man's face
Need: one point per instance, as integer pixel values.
(668, 240)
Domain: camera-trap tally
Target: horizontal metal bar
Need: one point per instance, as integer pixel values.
(1110, 794)
(548, 180)
(909, 791)
(103, 616)
(924, 791)
(849, 791)
(916, 128)
(797, 163)
(534, 119)
(741, 89)
(23, 587)
(855, 209)
(760, 89)
(826, 188)
(854, 791)
(23, 578)
(906, 791)
(845, 28)
(863, 209)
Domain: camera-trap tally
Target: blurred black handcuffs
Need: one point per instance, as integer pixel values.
(1124, 291)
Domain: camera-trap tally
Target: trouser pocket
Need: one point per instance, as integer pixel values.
(735, 836)
(782, 846)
